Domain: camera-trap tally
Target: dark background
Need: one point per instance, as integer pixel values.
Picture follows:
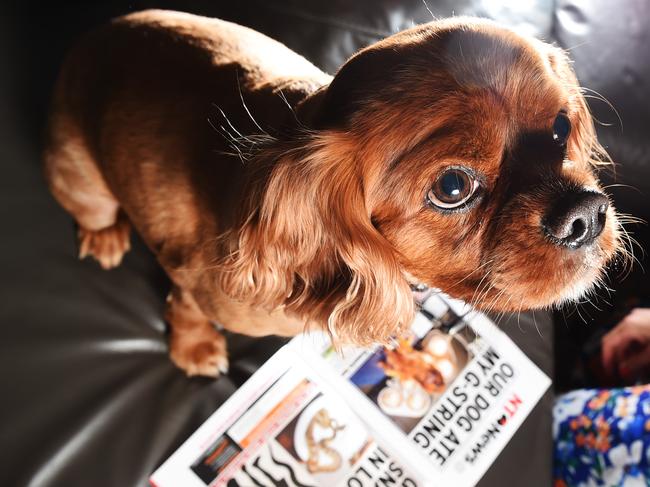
(88, 395)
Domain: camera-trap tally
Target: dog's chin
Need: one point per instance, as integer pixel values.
(543, 278)
(572, 278)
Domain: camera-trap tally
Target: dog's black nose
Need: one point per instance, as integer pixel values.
(577, 218)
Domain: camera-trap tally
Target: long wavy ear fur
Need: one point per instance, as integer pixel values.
(307, 243)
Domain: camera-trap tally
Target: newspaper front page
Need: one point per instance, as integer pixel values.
(435, 407)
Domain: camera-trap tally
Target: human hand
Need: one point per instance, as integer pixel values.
(626, 348)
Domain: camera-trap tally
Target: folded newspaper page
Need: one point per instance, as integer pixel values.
(434, 408)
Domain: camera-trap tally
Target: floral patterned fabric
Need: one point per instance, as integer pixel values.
(602, 438)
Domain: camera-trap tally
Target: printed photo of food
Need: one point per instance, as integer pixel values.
(326, 439)
(406, 379)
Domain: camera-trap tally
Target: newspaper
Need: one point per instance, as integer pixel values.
(434, 408)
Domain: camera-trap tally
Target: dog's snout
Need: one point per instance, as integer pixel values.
(577, 219)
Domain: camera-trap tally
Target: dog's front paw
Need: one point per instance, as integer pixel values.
(199, 353)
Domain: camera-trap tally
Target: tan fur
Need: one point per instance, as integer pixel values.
(317, 220)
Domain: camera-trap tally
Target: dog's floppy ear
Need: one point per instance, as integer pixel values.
(307, 243)
(361, 79)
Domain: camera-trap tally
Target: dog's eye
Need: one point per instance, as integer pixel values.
(561, 128)
(453, 189)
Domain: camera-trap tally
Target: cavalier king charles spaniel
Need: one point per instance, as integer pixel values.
(457, 154)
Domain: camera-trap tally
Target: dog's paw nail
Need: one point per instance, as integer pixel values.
(107, 246)
(205, 357)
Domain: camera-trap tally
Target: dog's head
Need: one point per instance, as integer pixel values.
(456, 154)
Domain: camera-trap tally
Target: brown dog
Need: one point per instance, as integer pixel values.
(457, 154)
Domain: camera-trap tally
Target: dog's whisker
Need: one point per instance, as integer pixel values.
(283, 97)
(494, 301)
(582, 318)
(248, 112)
(536, 326)
(592, 302)
(235, 141)
(627, 218)
(477, 269)
(607, 102)
(223, 114)
(580, 44)
(472, 301)
(433, 17)
(483, 293)
(521, 305)
(506, 304)
(626, 250)
(230, 139)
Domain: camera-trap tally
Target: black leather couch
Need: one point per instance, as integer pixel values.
(88, 395)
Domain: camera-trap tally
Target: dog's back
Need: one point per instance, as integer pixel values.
(138, 126)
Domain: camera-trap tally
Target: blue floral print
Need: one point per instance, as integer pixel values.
(602, 438)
